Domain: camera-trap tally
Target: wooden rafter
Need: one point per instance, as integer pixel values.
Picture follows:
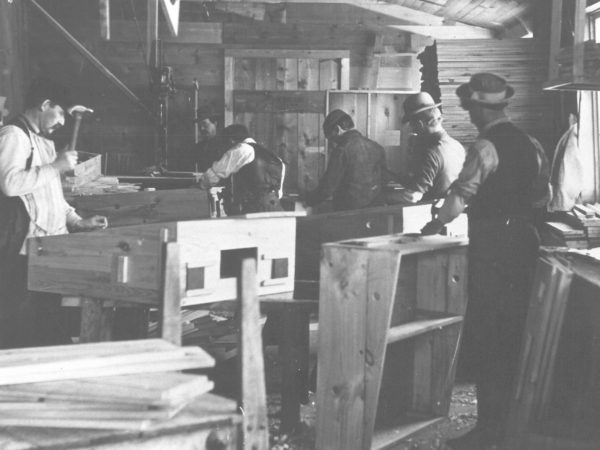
(448, 31)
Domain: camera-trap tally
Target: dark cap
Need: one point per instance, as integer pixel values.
(485, 89)
(43, 88)
(332, 119)
(416, 103)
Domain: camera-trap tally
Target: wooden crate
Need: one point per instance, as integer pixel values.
(390, 317)
(88, 169)
(124, 263)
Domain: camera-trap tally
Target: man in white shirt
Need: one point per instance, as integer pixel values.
(254, 174)
(32, 204)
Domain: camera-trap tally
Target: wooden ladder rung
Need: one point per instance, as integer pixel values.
(418, 327)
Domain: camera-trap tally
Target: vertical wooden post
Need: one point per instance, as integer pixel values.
(556, 26)
(579, 40)
(172, 292)
(105, 19)
(151, 28)
(253, 400)
(228, 89)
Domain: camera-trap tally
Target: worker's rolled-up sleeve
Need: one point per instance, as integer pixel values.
(231, 162)
(481, 161)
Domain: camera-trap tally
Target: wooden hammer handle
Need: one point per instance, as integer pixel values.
(78, 116)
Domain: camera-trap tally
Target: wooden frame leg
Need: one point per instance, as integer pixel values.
(96, 321)
(294, 357)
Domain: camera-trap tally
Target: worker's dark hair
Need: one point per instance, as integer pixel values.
(42, 89)
(337, 117)
(236, 132)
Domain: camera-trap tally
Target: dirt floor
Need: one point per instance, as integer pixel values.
(462, 417)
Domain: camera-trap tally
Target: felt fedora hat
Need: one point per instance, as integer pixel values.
(416, 103)
(486, 89)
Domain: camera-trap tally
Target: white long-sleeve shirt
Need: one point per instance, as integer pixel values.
(231, 162)
(40, 187)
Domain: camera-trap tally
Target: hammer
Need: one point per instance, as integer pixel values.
(77, 111)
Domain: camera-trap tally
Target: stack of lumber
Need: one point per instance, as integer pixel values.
(587, 218)
(563, 234)
(112, 385)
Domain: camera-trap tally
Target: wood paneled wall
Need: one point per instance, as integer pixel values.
(13, 51)
(520, 61)
(125, 134)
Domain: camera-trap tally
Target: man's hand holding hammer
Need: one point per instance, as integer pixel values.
(65, 160)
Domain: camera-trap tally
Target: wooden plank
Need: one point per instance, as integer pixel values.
(340, 380)
(145, 207)
(382, 280)
(278, 102)
(311, 156)
(159, 390)
(100, 359)
(188, 33)
(447, 32)
(286, 53)
(254, 398)
(419, 327)
(104, 10)
(229, 86)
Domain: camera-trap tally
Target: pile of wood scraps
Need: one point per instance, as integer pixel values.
(587, 218)
(217, 332)
(101, 185)
(112, 385)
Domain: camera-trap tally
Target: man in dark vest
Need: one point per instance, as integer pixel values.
(356, 168)
(254, 174)
(504, 182)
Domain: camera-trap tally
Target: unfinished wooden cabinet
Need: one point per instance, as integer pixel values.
(575, 66)
(390, 317)
(377, 114)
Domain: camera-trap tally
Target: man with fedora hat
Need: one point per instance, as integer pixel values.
(504, 182)
(438, 158)
(356, 168)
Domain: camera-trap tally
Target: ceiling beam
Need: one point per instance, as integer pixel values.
(448, 32)
(403, 13)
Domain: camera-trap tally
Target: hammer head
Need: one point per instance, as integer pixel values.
(79, 110)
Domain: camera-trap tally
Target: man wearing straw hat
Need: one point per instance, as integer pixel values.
(504, 182)
(439, 158)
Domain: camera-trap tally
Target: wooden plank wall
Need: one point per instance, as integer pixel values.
(12, 60)
(125, 135)
(520, 61)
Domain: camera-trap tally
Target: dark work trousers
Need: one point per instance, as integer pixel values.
(502, 255)
(27, 319)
